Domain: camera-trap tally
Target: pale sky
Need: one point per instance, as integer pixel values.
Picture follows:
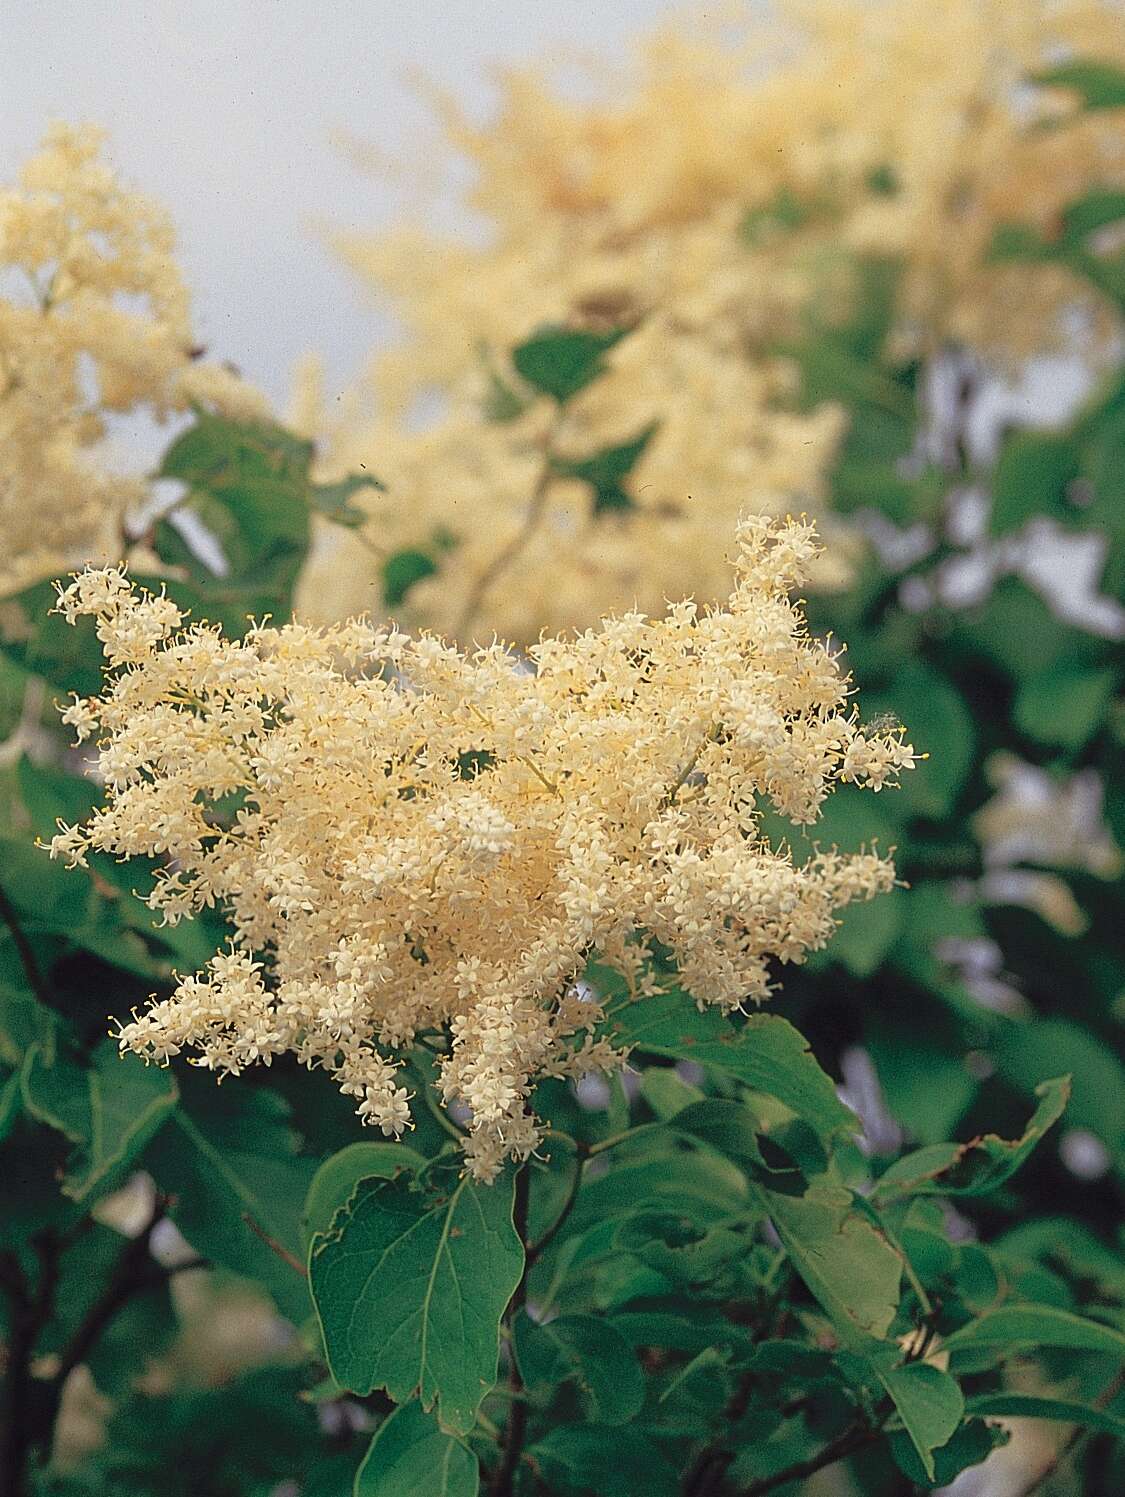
(223, 109)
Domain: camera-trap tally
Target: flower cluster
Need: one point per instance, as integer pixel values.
(413, 840)
(93, 320)
(711, 196)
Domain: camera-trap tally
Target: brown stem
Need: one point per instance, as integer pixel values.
(516, 1428)
(706, 1472)
(274, 1246)
(23, 1430)
(839, 1449)
(508, 554)
(536, 1250)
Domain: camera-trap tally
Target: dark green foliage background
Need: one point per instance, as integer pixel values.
(705, 1285)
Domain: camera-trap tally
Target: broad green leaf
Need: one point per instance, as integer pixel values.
(968, 1446)
(1019, 1327)
(610, 1460)
(410, 1284)
(109, 1109)
(411, 1456)
(1064, 704)
(401, 571)
(928, 1402)
(339, 1175)
(681, 1326)
(979, 1166)
(606, 471)
(1032, 478)
(1030, 1406)
(764, 1052)
(1100, 85)
(561, 361)
(590, 1352)
(845, 1261)
(229, 1158)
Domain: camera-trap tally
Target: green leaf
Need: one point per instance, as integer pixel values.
(929, 1403)
(590, 1352)
(339, 1175)
(1100, 85)
(561, 361)
(411, 1456)
(250, 490)
(606, 471)
(975, 1168)
(1097, 209)
(973, 1443)
(845, 1261)
(501, 403)
(410, 1284)
(940, 724)
(1032, 478)
(334, 500)
(402, 571)
(229, 1157)
(1026, 1053)
(1015, 1327)
(11, 1100)
(110, 1109)
(609, 1460)
(1029, 1406)
(764, 1052)
(1064, 704)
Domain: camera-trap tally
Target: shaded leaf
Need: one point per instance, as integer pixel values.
(979, 1166)
(334, 500)
(973, 1443)
(411, 1456)
(1100, 85)
(1020, 1326)
(604, 1459)
(586, 1350)
(929, 1403)
(1029, 1406)
(339, 1175)
(606, 471)
(109, 1109)
(402, 571)
(229, 1158)
(764, 1052)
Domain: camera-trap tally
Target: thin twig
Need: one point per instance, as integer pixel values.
(274, 1246)
(24, 1429)
(536, 1250)
(516, 1428)
(508, 554)
(839, 1449)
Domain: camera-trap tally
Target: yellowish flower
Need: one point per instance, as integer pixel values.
(93, 321)
(411, 838)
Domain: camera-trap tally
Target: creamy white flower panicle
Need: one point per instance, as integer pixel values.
(94, 321)
(409, 838)
(711, 192)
